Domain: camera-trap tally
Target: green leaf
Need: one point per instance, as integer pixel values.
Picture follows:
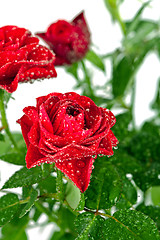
(6, 146)
(152, 128)
(36, 215)
(152, 211)
(156, 103)
(88, 226)
(128, 196)
(125, 163)
(155, 195)
(65, 219)
(73, 195)
(73, 70)
(60, 186)
(2, 138)
(24, 177)
(121, 128)
(105, 187)
(48, 185)
(61, 235)
(135, 21)
(92, 57)
(30, 203)
(145, 146)
(14, 158)
(131, 225)
(81, 204)
(9, 154)
(26, 190)
(148, 176)
(122, 72)
(9, 204)
(14, 233)
(139, 42)
(6, 97)
(15, 229)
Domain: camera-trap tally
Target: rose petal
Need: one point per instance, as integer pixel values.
(22, 58)
(78, 170)
(31, 112)
(34, 157)
(70, 41)
(60, 31)
(80, 22)
(114, 140)
(44, 119)
(76, 151)
(105, 147)
(26, 125)
(34, 134)
(46, 147)
(42, 99)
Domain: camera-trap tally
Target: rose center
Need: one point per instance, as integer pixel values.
(72, 111)
(61, 30)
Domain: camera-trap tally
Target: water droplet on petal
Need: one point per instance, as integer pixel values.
(81, 164)
(69, 165)
(78, 173)
(81, 182)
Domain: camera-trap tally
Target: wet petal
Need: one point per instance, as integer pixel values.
(34, 157)
(26, 124)
(78, 170)
(105, 147)
(44, 119)
(31, 112)
(34, 134)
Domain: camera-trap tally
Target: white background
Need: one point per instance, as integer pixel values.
(36, 16)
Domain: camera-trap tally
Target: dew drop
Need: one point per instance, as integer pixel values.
(81, 182)
(80, 164)
(100, 155)
(78, 173)
(69, 165)
(116, 147)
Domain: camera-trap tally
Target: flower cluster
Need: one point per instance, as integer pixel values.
(67, 129)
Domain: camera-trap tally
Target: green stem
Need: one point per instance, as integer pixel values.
(4, 121)
(121, 23)
(122, 103)
(42, 209)
(132, 103)
(56, 197)
(88, 81)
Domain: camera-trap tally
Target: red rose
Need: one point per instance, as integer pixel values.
(69, 41)
(67, 129)
(22, 58)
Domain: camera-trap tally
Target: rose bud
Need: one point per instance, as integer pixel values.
(69, 40)
(70, 130)
(22, 59)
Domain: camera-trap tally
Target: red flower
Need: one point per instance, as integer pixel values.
(69, 41)
(22, 58)
(67, 129)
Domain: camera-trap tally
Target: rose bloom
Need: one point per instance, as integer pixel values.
(22, 59)
(69, 40)
(67, 129)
